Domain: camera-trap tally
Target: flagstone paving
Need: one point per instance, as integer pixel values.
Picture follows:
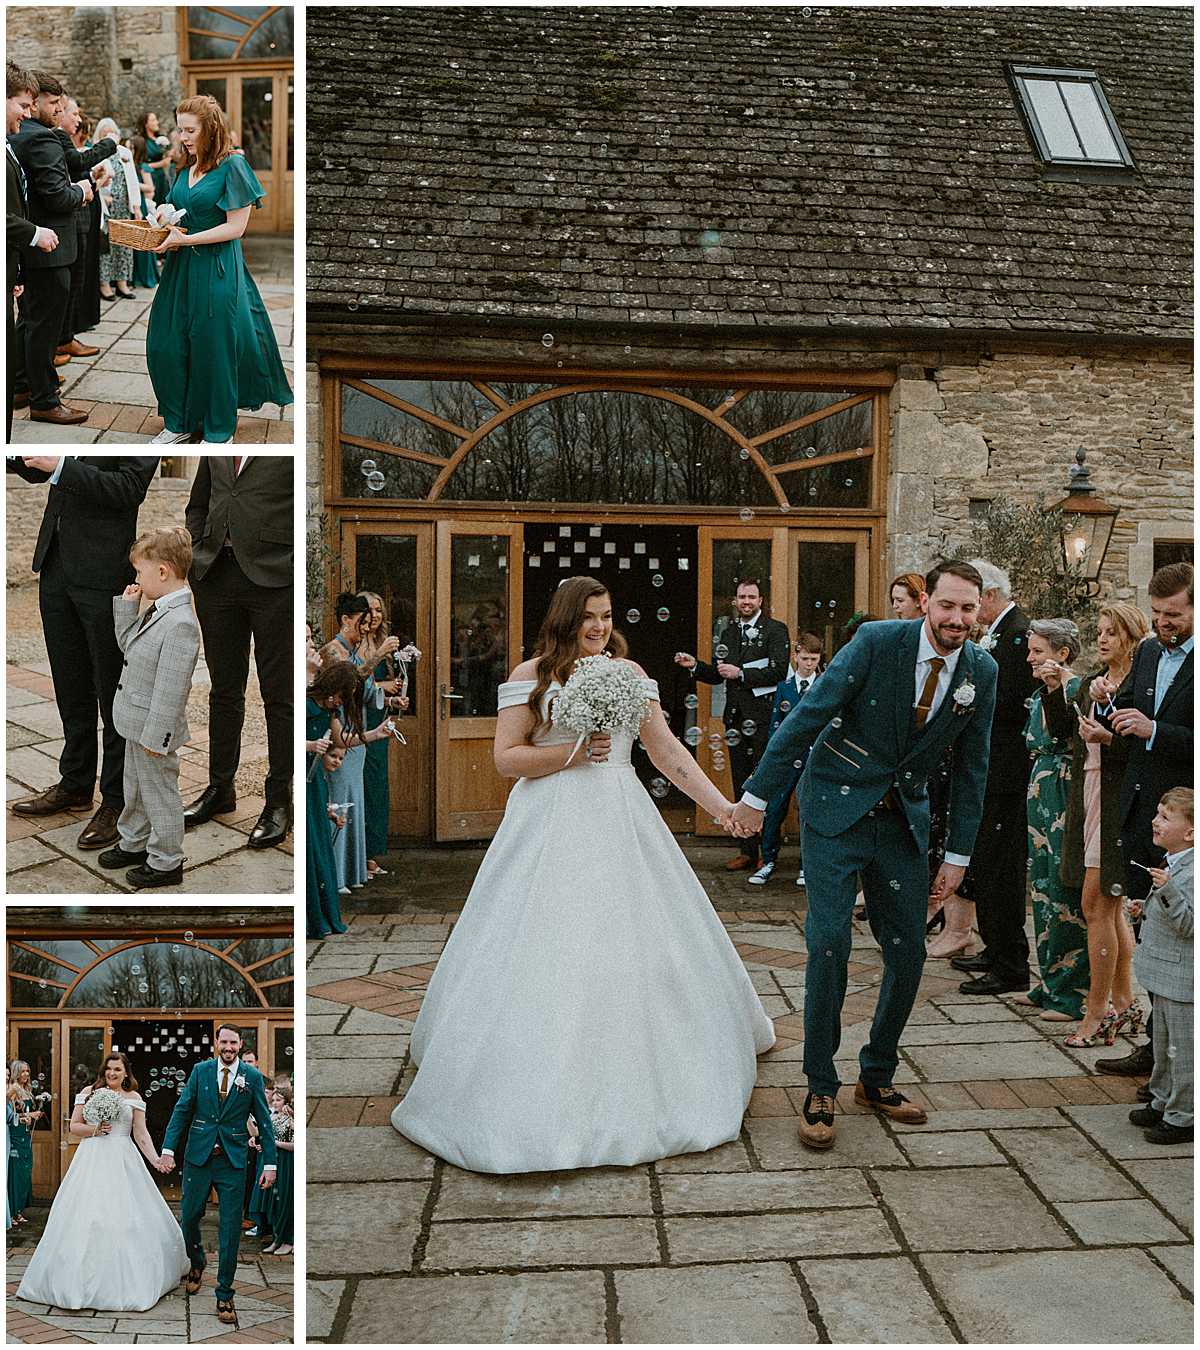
(1026, 1209)
(264, 1291)
(114, 388)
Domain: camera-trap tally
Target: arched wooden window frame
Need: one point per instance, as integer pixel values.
(141, 940)
(866, 387)
(252, 26)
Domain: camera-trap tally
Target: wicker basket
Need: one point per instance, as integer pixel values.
(136, 234)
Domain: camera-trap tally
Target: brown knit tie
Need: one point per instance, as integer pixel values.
(224, 1082)
(926, 700)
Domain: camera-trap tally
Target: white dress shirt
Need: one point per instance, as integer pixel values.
(995, 623)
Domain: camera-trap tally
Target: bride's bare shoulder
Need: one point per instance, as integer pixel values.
(527, 670)
(633, 665)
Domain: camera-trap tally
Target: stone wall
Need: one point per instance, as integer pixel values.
(117, 60)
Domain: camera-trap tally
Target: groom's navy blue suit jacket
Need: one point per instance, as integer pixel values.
(857, 727)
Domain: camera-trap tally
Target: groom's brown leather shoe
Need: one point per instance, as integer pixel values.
(816, 1122)
(54, 799)
(193, 1279)
(101, 830)
(888, 1102)
(226, 1312)
(738, 863)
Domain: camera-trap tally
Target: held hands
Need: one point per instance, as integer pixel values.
(164, 1165)
(1130, 722)
(743, 821)
(48, 241)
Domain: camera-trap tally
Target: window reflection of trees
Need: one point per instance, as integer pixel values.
(173, 975)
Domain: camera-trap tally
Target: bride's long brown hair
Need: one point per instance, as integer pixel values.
(128, 1083)
(557, 647)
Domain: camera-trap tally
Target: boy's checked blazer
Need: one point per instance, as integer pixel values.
(1162, 960)
(160, 654)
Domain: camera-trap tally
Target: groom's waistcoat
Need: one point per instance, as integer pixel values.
(858, 729)
(209, 1121)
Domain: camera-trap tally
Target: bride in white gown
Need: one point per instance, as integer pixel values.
(589, 1008)
(111, 1241)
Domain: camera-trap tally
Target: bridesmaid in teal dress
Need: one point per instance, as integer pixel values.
(281, 1196)
(157, 149)
(375, 649)
(20, 1143)
(329, 690)
(210, 348)
(145, 264)
(1059, 926)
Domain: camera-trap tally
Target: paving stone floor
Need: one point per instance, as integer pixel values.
(264, 1288)
(114, 388)
(1026, 1210)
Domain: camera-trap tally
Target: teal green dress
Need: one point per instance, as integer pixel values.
(210, 348)
(159, 148)
(375, 771)
(145, 264)
(324, 910)
(280, 1202)
(1060, 928)
(20, 1167)
(260, 1200)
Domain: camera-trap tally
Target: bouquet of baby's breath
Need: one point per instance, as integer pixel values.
(601, 695)
(282, 1127)
(103, 1107)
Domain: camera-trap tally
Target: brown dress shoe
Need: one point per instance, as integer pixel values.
(888, 1102)
(53, 800)
(77, 348)
(193, 1279)
(63, 415)
(61, 358)
(101, 830)
(739, 863)
(21, 400)
(816, 1122)
(226, 1312)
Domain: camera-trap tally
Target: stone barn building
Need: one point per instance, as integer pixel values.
(679, 295)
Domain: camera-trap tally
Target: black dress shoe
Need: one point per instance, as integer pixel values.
(1165, 1133)
(972, 964)
(272, 826)
(118, 857)
(1145, 1116)
(1138, 1064)
(213, 801)
(145, 876)
(989, 984)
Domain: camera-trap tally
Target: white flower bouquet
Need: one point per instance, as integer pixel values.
(103, 1107)
(600, 695)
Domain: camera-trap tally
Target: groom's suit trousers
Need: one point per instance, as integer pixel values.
(895, 879)
(217, 1173)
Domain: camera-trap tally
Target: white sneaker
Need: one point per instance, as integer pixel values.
(800, 879)
(166, 437)
(762, 876)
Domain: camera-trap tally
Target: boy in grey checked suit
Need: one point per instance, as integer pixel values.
(1163, 965)
(160, 648)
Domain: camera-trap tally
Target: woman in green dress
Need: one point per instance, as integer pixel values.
(158, 149)
(1059, 925)
(20, 1141)
(210, 348)
(280, 1197)
(332, 689)
(375, 649)
(145, 264)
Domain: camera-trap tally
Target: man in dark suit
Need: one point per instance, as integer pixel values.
(52, 199)
(78, 162)
(997, 879)
(82, 558)
(1156, 712)
(751, 659)
(22, 234)
(240, 519)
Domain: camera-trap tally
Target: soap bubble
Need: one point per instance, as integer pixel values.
(785, 706)
(657, 579)
(189, 936)
(743, 453)
(749, 727)
(693, 735)
(721, 651)
(628, 350)
(745, 513)
(135, 970)
(849, 482)
(376, 481)
(664, 614)
(895, 885)
(714, 740)
(547, 340)
(366, 466)
(845, 790)
(797, 764)
(810, 452)
(143, 987)
(692, 701)
(836, 722)
(733, 737)
(175, 948)
(633, 615)
(659, 787)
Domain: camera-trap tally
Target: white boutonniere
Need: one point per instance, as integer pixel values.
(987, 642)
(964, 697)
(240, 1082)
(752, 633)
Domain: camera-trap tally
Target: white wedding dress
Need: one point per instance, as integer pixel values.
(111, 1241)
(589, 1008)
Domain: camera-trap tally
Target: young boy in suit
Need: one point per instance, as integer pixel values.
(160, 649)
(1163, 965)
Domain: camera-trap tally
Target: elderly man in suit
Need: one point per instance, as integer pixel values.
(22, 234)
(52, 198)
(751, 658)
(240, 519)
(82, 558)
(874, 727)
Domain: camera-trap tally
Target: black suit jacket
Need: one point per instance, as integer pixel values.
(92, 511)
(80, 164)
(19, 234)
(771, 641)
(252, 509)
(52, 196)
(1149, 773)
(1008, 758)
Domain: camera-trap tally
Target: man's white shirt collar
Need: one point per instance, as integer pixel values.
(926, 651)
(234, 1069)
(996, 621)
(751, 622)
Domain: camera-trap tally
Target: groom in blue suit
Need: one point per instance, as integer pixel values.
(873, 728)
(220, 1096)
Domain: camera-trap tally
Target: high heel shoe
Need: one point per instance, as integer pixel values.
(1130, 1019)
(1105, 1033)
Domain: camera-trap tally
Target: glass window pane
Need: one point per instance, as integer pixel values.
(279, 995)
(35, 1047)
(734, 561)
(35, 993)
(285, 1043)
(257, 124)
(215, 88)
(1090, 122)
(206, 47)
(291, 131)
(163, 974)
(217, 22)
(825, 591)
(272, 39)
(1051, 114)
(387, 565)
(370, 474)
(86, 1054)
(478, 622)
(79, 954)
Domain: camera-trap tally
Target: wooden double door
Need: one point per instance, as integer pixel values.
(471, 594)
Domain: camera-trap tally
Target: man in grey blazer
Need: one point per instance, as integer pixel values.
(160, 648)
(1163, 966)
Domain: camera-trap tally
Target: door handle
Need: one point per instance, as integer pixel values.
(446, 697)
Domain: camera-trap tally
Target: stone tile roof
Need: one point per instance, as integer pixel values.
(779, 167)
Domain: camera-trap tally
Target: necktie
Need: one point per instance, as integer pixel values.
(237, 464)
(146, 618)
(802, 689)
(224, 1081)
(926, 700)
(20, 170)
